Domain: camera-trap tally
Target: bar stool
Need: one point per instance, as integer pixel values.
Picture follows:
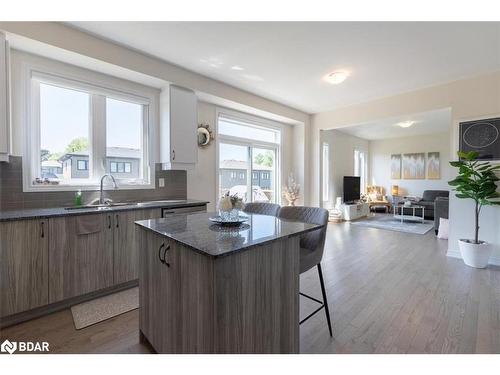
(311, 248)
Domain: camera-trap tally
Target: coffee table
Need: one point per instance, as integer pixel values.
(399, 212)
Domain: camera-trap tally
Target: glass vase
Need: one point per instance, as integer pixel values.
(232, 215)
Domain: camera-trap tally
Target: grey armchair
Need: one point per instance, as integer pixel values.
(312, 246)
(262, 208)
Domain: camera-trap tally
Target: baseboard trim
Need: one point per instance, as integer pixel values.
(61, 305)
(452, 253)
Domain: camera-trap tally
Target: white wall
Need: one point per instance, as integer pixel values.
(380, 162)
(341, 161)
(56, 38)
(468, 98)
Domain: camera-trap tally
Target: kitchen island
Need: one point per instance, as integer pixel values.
(211, 289)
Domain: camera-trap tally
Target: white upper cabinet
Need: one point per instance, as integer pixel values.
(4, 100)
(178, 128)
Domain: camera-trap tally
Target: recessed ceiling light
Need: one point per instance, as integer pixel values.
(237, 67)
(405, 124)
(336, 77)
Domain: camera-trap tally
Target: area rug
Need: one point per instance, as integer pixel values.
(388, 222)
(91, 312)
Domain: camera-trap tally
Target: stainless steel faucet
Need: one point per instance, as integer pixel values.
(101, 198)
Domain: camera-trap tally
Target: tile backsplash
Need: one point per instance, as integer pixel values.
(12, 196)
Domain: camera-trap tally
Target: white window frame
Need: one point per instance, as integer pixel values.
(361, 168)
(326, 171)
(36, 70)
(250, 143)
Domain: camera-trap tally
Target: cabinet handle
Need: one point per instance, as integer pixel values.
(117, 221)
(42, 230)
(165, 256)
(109, 221)
(173, 153)
(159, 253)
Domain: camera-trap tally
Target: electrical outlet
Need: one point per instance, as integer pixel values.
(161, 182)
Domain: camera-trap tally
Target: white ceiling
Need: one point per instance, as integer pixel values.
(285, 61)
(425, 123)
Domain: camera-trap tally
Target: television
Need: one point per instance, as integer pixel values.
(352, 189)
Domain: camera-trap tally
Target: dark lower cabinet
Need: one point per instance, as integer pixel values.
(51, 260)
(176, 301)
(125, 252)
(80, 255)
(246, 302)
(23, 265)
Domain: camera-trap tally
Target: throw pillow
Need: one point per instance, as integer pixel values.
(444, 226)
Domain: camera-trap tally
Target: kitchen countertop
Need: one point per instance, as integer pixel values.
(196, 231)
(42, 213)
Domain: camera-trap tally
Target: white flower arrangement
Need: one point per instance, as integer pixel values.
(230, 202)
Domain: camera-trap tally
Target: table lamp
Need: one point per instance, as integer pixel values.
(395, 190)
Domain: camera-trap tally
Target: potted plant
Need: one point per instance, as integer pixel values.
(477, 181)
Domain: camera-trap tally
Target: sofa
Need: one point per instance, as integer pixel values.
(441, 208)
(428, 199)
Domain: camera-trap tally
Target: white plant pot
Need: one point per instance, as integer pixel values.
(475, 255)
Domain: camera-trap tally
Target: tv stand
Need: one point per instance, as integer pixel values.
(353, 211)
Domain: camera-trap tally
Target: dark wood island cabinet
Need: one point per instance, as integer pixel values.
(209, 289)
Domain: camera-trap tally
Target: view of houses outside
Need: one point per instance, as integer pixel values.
(64, 136)
(234, 170)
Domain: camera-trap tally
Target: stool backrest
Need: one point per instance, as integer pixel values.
(262, 208)
(315, 240)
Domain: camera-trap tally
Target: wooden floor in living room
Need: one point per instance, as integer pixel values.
(388, 292)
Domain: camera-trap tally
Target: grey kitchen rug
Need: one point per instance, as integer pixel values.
(388, 222)
(97, 310)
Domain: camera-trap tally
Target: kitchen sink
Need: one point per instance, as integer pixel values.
(100, 206)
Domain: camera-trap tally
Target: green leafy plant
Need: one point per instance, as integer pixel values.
(477, 181)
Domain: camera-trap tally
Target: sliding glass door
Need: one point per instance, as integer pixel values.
(239, 177)
(248, 160)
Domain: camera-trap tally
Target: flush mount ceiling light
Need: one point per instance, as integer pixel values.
(336, 77)
(405, 124)
(237, 67)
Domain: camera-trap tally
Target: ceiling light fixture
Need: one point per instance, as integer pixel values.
(237, 67)
(405, 124)
(336, 77)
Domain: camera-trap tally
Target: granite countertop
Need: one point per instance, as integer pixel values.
(196, 231)
(42, 213)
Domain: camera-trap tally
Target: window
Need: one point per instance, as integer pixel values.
(249, 144)
(79, 127)
(64, 128)
(233, 175)
(239, 128)
(124, 135)
(361, 168)
(326, 172)
(82, 165)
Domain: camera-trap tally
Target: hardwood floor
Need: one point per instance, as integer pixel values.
(388, 292)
